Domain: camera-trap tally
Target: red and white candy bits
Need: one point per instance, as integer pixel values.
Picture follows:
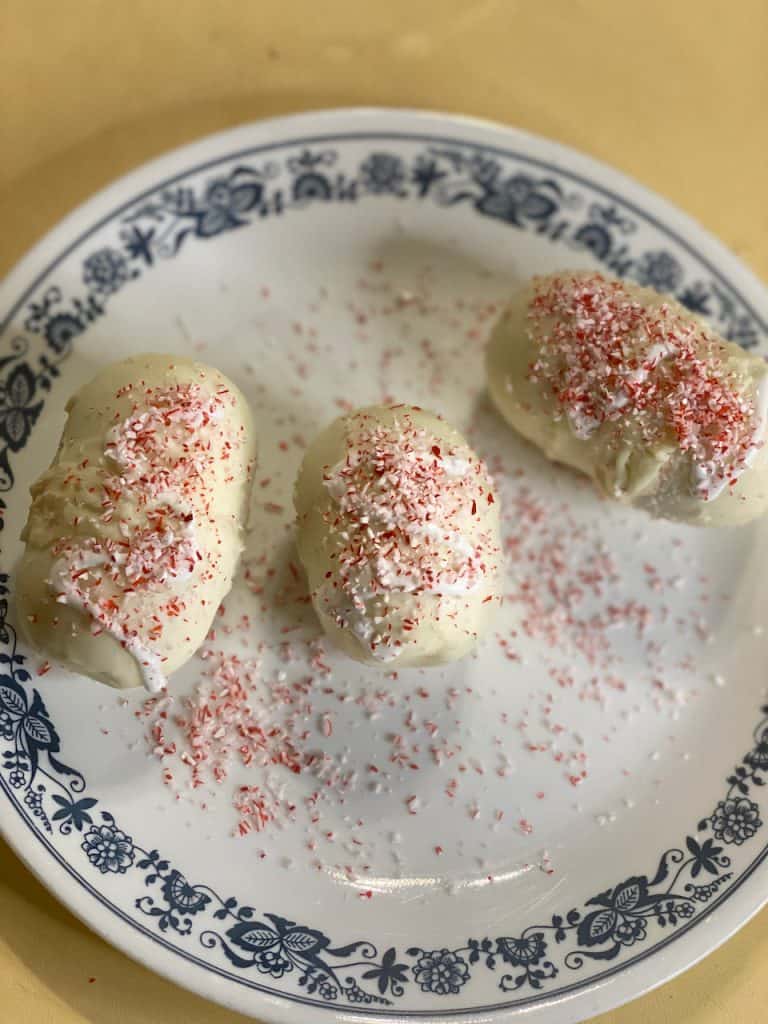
(399, 534)
(134, 531)
(628, 387)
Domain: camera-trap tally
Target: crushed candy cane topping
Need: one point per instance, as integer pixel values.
(609, 359)
(408, 515)
(157, 465)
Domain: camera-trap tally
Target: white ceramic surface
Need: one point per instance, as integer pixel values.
(546, 829)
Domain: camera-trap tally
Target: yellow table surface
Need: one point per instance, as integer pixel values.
(673, 92)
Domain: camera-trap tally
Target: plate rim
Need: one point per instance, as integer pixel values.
(564, 157)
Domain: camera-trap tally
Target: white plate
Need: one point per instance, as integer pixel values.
(341, 257)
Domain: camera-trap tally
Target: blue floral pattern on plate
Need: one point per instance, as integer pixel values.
(310, 962)
(356, 972)
(159, 227)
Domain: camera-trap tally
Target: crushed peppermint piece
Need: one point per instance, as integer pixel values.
(403, 511)
(607, 359)
(157, 462)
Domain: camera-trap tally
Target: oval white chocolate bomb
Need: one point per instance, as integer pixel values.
(135, 529)
(626, 386)
(398, 530)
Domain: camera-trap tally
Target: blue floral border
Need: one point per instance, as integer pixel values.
(687, 879)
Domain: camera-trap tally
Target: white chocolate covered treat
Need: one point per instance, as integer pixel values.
(626, 386)
(398, 530)
(135, 529)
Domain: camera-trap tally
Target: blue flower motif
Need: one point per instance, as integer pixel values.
(18, 411)
(516, 199)
(274, 963)
(182, 896)
(440, 972)
(630, 930)
(311, 185)
(611, 217)
(383, 172)
(224, 203)
(621, 915)
(696, 297)
(702, 893)
(109, 849)
(659, 270)
(6, 725)
(138, 243)
(482, 948)
(40, 310)
(522, 952)
(60, 329)
(33, 799)
(105, 271)
(389, 973)
(485, 171)
(327, 990)
(742, 331)
(219, 193)
(308, 160)
(758, 756)
(426, 173)
(735, 820)
(73, 813)
(704, 856)
(523, 191)
(595, 238)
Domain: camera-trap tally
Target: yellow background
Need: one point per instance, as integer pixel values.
(675, 92)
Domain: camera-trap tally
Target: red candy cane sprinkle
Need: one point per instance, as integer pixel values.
(400, 510)
(608, 359)
(158, 463)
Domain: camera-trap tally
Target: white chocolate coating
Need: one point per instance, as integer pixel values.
(624, 385)
(135, 529)
(398, 530)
